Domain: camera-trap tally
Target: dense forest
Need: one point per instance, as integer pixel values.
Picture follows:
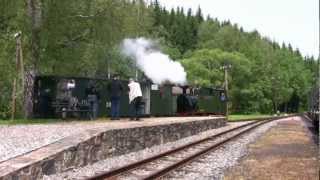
(81, 38)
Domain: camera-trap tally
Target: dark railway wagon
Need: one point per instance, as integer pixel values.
(314, 106)
(54, 95)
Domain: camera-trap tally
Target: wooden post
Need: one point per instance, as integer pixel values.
(318, 76)
(19, 65)
(13, 103)
(226, 88)
(137, 35)
(19, 44)
(108, 69)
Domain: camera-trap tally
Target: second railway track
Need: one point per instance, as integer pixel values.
(162, 164)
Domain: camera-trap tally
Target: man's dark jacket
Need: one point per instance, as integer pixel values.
(116, 89)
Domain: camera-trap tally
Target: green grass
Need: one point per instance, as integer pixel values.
(233, 118)
(29, 121)
(239, 117)
(44, 121)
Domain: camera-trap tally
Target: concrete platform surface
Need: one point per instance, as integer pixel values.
(286, 151)
(29, 151)
(19, 139)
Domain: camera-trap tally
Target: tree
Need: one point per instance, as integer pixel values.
(34, 11)
(84, 36)
(203, 68)
(199, 15)
(9, 25)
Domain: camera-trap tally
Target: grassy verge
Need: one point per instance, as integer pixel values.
(44, 121)
(239, 117)
(232, 118)
(29, 121)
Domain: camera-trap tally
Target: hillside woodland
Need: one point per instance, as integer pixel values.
(81, 38)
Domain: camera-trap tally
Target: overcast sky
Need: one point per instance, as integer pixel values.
(290, 21)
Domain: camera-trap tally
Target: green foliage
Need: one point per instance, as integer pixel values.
(82, 35)
(45, 121)
(81, 38)
(203, 68)
(10, 23)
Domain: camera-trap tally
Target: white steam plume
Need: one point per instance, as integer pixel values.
(156, 65)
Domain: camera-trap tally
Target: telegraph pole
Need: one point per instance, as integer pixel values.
(19, 69)
(226, 68)
(137, 34)
(318, 88)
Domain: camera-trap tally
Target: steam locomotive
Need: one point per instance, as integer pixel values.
(54, 95)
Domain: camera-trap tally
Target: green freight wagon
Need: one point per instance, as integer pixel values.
(54, 95)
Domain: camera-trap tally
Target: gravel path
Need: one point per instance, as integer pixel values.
(218, 161)
(285, 152)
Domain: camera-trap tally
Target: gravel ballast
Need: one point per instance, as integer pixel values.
(212, 167)
(227, 156)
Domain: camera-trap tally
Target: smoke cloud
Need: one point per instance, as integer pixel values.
(156, 65)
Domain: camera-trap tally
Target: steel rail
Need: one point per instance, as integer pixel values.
(112, 174)
(168, 169)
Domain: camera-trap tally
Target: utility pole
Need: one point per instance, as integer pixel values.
(108, 67)
(19, 44)
(226, 68)
(137, 34)
(19, 69)
(13, 103)
(318, 88)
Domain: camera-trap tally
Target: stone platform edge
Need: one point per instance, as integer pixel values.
(97, 144)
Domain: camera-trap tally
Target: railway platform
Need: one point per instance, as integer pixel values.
(32, 151)
(286, 151)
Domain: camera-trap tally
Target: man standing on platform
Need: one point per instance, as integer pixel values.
(116, 90)
(93, 97)
(135, 98)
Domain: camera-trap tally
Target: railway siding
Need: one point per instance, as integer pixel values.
(96, 144)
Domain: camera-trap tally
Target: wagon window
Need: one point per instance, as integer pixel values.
(176, 90)
(63, 88)
(154, 87)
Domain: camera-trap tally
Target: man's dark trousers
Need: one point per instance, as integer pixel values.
(115, 107)
(135, 108)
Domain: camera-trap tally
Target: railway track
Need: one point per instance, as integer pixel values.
(162, 164)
